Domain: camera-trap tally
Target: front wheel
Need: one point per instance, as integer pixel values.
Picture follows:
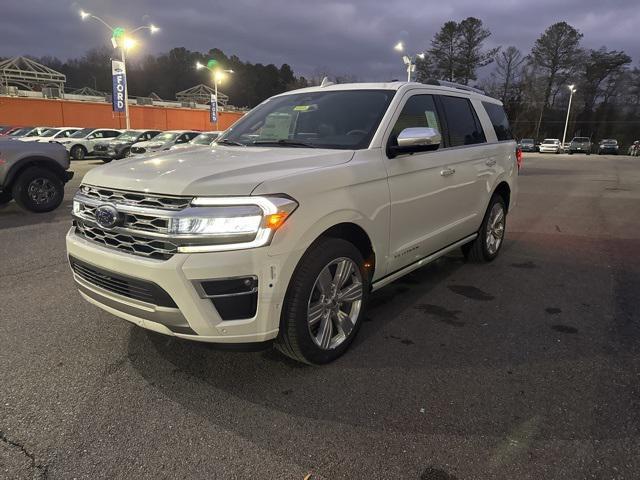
(324, 304)
(490, 237)
(78, 152)
(106, 160)
(38, 189)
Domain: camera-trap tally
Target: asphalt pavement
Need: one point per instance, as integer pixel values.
(525, 368)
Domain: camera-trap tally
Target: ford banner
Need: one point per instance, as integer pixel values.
(119, 85)
(214, 109)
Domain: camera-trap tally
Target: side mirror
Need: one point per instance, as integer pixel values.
(415, 139)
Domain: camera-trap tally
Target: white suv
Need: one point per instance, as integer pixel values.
(81, 143)
(280, 230)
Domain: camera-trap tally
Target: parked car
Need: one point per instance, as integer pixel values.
(528, 145)
(33, 174)
(52, 134)
(634, 149)
(35, 132)
(550, 145)
(5, 129)
(608, 146)
(279, 232)
(163, 141)
(580, 145)
(120, 146)
(81, 143)
(202, 140)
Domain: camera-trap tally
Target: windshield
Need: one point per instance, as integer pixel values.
(20, 131)
(204, 139)
(50, 132)
(581, 140)
(165, 137)
(36, 132)
(82, 133)
(129, 136)
(344, 119)
(527, 140)
(550, 142)
(609, 142)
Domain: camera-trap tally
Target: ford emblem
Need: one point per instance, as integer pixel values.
(107, 216)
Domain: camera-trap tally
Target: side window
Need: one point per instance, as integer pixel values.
(462, 122)
(112, 134)
(192, 135)
(182, 138)
(95, 135)
(419, 111)
(499, 120)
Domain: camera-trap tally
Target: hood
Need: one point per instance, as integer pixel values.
(218, 170)
(148, 144)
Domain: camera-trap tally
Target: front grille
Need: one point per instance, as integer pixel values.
(100, 148)
(135, 199)
(129, 287)
(159, 249)
(137, 221)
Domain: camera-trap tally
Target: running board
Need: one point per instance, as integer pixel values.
(383, 282)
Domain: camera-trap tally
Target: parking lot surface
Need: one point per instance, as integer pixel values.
(525, 368)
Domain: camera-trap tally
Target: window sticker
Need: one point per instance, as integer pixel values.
(432, 120)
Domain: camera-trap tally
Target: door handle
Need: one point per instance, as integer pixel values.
(447, 171)
(491, 162)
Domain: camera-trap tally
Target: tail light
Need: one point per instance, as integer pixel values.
(519, 157)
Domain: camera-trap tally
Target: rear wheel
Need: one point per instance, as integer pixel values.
(78, 152)
(490, 237)
(106, 160)
(38, 189)
(324, 304)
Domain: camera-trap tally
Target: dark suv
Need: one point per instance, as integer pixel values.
(608, 146)
(580, 145)
(528, 145)
(120, 146)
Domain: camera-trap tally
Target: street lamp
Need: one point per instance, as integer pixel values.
(219, 74)
(408, 60)
(572, 90)
(120, 39)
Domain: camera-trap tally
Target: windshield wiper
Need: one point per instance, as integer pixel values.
(285, 143)
(226, 141)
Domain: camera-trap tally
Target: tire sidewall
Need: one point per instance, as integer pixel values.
(21, 185)
(301, 285)
(78, 149)
(485, 223)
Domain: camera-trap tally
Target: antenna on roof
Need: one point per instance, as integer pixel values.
(325, 82)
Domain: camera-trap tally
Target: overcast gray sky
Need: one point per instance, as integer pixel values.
(354, 37)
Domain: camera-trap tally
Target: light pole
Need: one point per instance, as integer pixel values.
(572, 90)
(119, 39)
(409, 61)
(218, 76)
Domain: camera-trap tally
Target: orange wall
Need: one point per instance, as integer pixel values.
(18, 111)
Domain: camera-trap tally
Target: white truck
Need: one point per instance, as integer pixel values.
(280, 230)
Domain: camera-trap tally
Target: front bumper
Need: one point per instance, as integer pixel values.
(195, 317)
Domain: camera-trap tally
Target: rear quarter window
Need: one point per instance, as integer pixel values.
(499, 120)
(463, 126)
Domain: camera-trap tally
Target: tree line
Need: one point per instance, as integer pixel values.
(534, 86)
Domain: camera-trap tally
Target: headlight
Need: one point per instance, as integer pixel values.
(230, 223)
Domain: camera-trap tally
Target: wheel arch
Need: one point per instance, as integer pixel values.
(33, 161)
(504, 190)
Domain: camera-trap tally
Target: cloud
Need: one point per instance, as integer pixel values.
(350, 37)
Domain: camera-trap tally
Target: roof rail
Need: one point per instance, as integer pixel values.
(459, 86)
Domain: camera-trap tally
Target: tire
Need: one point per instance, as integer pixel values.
(5, 197)
(38, 189)
(106, 160)
(78, 152)
(478, 251)
(126, 153)
(298, 337)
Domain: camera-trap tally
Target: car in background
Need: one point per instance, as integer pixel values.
(19, 132)
(120, 146)
(203, 140)
(33, 174)
(608, 146)
(164, 141)
(52, 134)
(528, 145)
(580, 145)
(634, 149)
(36, 132)
(6, 129)
(81, 143)
(550, 145)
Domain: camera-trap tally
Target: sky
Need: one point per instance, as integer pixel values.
(353, 37)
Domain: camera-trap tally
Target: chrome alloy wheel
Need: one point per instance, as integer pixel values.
(335, 302)
(495, 228)
(41, 191)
